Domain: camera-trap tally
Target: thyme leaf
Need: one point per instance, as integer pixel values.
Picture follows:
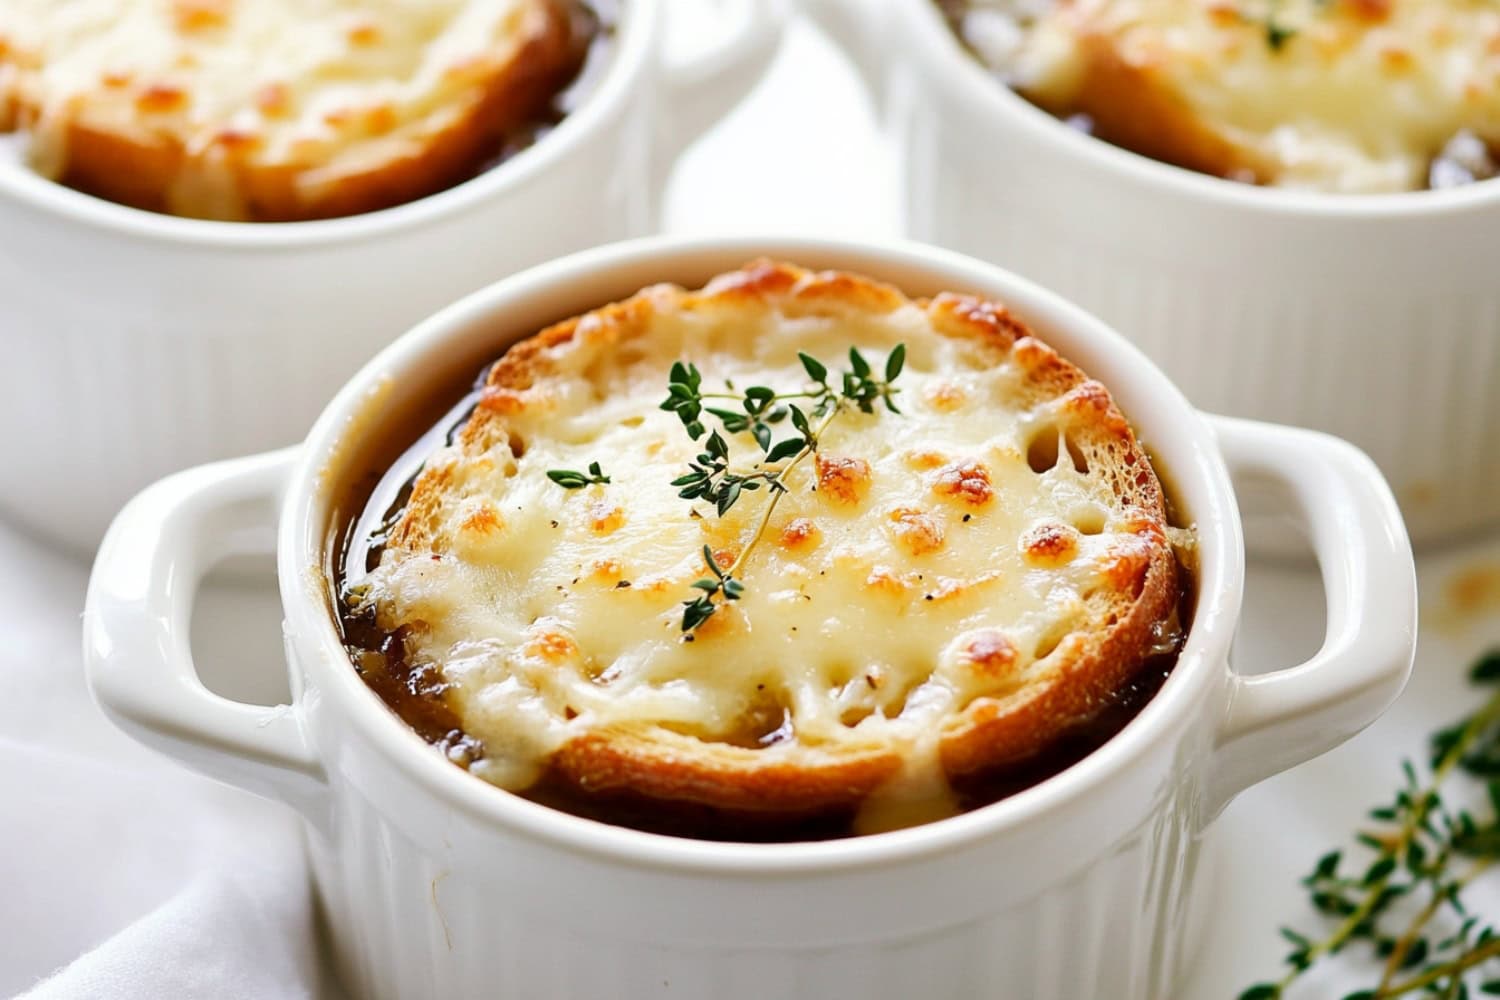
(756, 410)
(1406, 903)
(570, 479)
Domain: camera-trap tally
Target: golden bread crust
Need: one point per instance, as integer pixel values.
(674, 768)
(1028, 696)
(155, 145)
(1132, 106)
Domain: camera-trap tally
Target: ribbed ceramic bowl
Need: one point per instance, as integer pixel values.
(439, 885)
(137, 344)
(1372, 317)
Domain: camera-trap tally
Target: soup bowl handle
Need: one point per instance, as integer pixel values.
(702, 87)
(859, 29)
(1279, 719)
(136, 628)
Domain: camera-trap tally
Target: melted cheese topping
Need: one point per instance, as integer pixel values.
(923, 560)
(329, 85)
(1344, 95)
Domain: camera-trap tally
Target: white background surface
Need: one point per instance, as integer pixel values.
(96, 832)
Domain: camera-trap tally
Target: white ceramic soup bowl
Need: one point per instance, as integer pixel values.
(1375, 318)
(439, 885)
(137, 344)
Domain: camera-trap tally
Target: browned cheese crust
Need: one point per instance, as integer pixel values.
(1138, 591)
(147, 153)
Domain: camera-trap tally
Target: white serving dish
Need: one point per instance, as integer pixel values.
(137, 344)
(436, 884)
(1372, 317)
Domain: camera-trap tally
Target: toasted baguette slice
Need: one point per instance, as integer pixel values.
(272, 110)
(1347, 96)
(941, 591)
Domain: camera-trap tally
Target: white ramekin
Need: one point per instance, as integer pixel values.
(137, 344)
(1376, 318)
(438, 885)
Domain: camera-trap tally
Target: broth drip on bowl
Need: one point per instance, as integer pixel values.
(416, 693)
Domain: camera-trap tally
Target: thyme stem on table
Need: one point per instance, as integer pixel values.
(1424, 849)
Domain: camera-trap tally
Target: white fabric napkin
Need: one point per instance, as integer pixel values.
(123, 875)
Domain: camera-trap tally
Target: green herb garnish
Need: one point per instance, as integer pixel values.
(710, 477)
(569, 479)
(756, 411)
(1405, 897)
(1278, 34)
(698, 610)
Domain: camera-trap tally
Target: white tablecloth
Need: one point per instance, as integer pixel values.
(167, 884)
(138, 879)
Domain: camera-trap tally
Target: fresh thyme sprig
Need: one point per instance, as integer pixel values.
(761, 404)
(1425, 853)
(698, 610)
(712, 477)
(709, 477)
(1278, 32)
(570, 479)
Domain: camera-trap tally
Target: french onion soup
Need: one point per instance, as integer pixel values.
(270, 110)
(1353, 96)
(791, 556)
